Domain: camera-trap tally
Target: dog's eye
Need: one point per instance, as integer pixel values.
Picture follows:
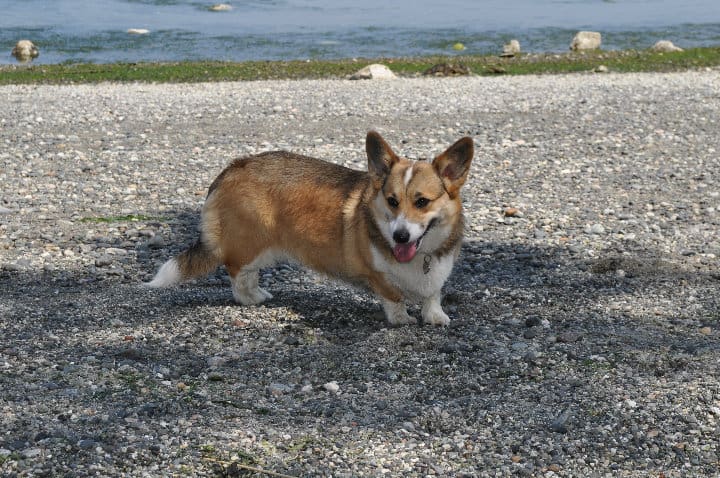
(392, 202)
(421, 203)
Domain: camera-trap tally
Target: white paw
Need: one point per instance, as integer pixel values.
(396, 314)
(401, 319)
(251, 297)
(435, 316)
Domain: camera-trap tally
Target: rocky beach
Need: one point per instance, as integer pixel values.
(585, 333)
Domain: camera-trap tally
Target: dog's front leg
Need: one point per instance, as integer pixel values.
(396, 313)
(432, 312)
(392, 299)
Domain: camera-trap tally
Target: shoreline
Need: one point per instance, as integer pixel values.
(486, 65)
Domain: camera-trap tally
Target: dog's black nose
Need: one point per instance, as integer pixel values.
(401, 236)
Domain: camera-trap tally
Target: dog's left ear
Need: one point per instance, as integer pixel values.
(453, 165)
(380, 156)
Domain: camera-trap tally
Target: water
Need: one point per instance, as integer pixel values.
(96, 31)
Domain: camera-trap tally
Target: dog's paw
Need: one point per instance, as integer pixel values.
(436, 316)
(251, 297)
(402, 318)
(396, 314)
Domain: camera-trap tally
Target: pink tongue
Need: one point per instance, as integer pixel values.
(405, 252)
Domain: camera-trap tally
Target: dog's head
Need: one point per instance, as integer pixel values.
(417, 203)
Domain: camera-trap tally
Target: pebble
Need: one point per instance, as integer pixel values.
(104, 260)
(595, 229)
(559, 425)
(332, 387)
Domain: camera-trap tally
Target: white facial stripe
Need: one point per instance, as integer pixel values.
(408, 174)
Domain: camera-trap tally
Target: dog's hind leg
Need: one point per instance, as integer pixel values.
(245, 280)
(246, 289)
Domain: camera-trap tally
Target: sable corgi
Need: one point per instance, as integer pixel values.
(396, 228)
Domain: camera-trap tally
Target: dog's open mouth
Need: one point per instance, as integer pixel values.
(406, 252)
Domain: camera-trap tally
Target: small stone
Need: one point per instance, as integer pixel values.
(511, 49)
(279, 389)
(559, 425)
(25, 51)
(532, 321)
(447, 69)
(332, 387)
(511, 212)
(408, 426)
(601, 69)
(138, 31)
(86, 444)
(554, 467)
(291, 340)
(515, 458)
(584, 40)
(665, 46)
(706, 330)
(595, 229)
(4, 210)
(306, 388)
(220, 7)
(375, 71)
(531, 333)
(156, 242)
(216, 361)
(31, 452)
(532, 356)
(568, 337)
(103, 260)
(653, 433)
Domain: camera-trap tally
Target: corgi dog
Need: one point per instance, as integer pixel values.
(395, 229)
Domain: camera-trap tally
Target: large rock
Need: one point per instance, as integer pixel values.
(25, 50)
(375, 71)
(586, 41)
(511, 49)
(665, 46)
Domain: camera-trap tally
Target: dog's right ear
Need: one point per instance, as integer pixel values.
(380, 156)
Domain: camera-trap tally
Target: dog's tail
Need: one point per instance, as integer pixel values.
(198, 260)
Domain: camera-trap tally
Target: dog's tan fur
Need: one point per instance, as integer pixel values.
(323, 215)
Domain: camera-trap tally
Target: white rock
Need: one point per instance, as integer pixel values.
(138, 31)
(25, 50)
(375, 71)
(511, 49)
(586, 41)
(221, 7)
(332, 387)
(665, 46)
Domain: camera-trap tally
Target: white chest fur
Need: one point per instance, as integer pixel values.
(420, 278)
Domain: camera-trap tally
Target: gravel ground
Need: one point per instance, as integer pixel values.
(585, 306)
